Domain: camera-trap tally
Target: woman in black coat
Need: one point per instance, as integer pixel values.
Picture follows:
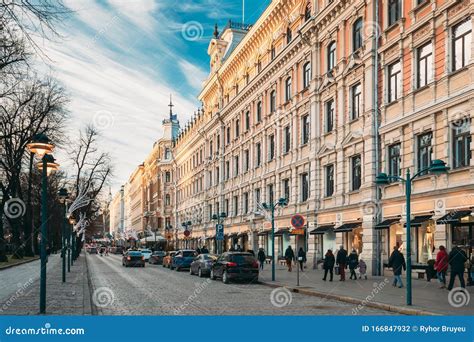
(397, 263)
(301, 257)
(328, 265)
(353, 262)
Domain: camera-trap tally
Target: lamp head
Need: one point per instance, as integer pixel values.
(265, 205)
(214, 217)
(283, 202)
(382, 179)
(438, 167)
(223, 215)
(51, 164)
(40, 145)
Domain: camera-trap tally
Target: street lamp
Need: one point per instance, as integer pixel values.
(72, 222)
(186, 225)
(282, 202)
(42, 147)
(437, 167)
(63, 197)
(220, 220)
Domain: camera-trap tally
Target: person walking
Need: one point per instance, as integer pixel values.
(328, 264)
(261, 257)
(289, 257)
(301, 258)
(353, 262)
(204, 250)
(362, 269)
(457, 259)
(341, 261)
(397, 262)
(441, 266)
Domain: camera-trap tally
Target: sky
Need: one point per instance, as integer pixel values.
(119, 61)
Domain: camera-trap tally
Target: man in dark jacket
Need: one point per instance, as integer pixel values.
(397, 262)
(328, 265)
(341, 261)
(353, 262)
(289, 257)
(204, 250)
(456, 259)
(301, 258)
(261, 257)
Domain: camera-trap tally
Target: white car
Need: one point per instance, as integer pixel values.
(146, 253)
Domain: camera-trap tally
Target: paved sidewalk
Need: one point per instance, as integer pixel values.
(20, 293)
(377, 292)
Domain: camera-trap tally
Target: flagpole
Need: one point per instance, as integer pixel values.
(243, 11)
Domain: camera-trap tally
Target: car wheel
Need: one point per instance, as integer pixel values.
(225, 278)
(212, 275)
(199, 272)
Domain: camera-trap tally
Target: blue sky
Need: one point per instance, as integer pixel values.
(120, 60)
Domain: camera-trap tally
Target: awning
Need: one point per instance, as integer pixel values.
(419, 220)
(385, 224)
(347, 227)
(453, 217)
(322, 229)
(282, 231)
(265, 232)
(242, 234)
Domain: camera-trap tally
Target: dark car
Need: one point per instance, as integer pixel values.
(157, 257)
(202, 264)
(182, 259)
(168, 258)
(235, 266)
(117, 250)
(133, 258)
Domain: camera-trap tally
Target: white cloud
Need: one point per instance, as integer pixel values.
(195, 76)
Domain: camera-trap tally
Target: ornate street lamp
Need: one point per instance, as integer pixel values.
(42, 147)
(63, 197)
(437, 167)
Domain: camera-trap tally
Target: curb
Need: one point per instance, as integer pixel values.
(88, 298)
(387, 307)
(18, 264)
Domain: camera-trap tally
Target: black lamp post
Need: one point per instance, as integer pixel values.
(437, 167)
(72, 222)
(282, 202)
(42, 147)
(220, 220)
(63, 197)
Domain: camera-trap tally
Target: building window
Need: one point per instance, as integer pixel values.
(236, 166)
(209, 175)
(259, 111)
(247, 120)
(258, 152)
(217, 175)
(227, 170)
(394, 11)
(247, 160)
(306, 74)
(257, 196)
(218, 143)
(424, 65)
(356, 95)
(331, 55)
(356, 173)
(167, 199)
(273, 101)
(462, 145)
(228, 135)
(167, 153)
(394, 81)
(424, 151)
(304, 187)
(210, 211)
(226, 206)
(394, 160)
(329, 180)
(357, 34)
(271, 147)
(287, 145)
(259, 66)
(286, 189)
(289, 35)
(237, 128)
(288, 89)
(329, 116)
(271, 197)
(210, 148)
(461, 44)
(307, 12)
(246, 202)
(236, 205)
(167, 177)
(305, 129)
(273, 52)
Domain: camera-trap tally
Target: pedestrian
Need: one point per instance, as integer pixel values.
(239, 249)
(198, 250)
(362, 269)
(204, 250)
(341, 260)
(301, 258)
(457, 259)
(261, 257)
(397, 262)
(353, 262)
(441, 266)
(289, 257)
(328, 264)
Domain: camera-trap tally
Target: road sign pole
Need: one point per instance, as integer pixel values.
(297, 264)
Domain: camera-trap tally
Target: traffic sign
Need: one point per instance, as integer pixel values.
(297, 221)
(299, 231)
(219, 232)
(186, 233)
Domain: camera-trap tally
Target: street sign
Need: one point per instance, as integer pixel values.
(186, 233)
(297, 221)
(299, 231)
(219, 232)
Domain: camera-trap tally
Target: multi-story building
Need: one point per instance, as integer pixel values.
(136, 200)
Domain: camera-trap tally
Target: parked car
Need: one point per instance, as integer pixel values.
(202, 264)
(146, 253)
(182, 259)
(92, 250)
(157, 257)
(133, 258)
(168, 258)
(235, 266)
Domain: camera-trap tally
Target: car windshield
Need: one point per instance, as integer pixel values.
(241, 259)
(146, 251)
(135, 253)
(188, 253)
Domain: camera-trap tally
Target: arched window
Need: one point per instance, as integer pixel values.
(289, 35)
(288, 89)
(331, 57)
(306, 74)
(273, 101)
(357, 35)
(307, 12)
(259, 111)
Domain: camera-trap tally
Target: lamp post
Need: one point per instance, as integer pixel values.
(220, 220)
(42, 147)
(72, 222)
(437, 167)
(282, 202)
(186, 225)
(63, 196)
